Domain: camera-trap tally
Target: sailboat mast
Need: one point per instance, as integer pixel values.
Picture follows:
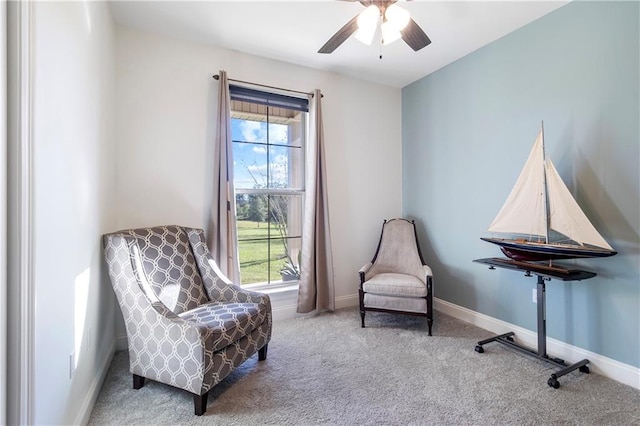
(545, 195)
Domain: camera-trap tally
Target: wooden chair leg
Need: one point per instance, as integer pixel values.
(200, 403)
(262, 353)
(361, 300)
(138, 381)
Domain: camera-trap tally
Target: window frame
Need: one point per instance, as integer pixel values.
(275, 100)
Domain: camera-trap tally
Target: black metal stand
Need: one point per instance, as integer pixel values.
(544, 273)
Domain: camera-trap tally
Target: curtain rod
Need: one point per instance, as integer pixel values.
(217, 77)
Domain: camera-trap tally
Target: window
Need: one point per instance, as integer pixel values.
(268, 134)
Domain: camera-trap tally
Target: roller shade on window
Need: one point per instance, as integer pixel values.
(245, 94)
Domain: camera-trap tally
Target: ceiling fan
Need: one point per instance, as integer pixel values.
(395, 23)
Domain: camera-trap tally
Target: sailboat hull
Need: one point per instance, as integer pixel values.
(533, 251)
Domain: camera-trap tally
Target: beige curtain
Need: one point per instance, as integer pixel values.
(316, 290)
(222, 227)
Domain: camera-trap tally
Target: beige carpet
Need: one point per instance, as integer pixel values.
(328, 370)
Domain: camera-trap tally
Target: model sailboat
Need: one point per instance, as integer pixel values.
(542, 219)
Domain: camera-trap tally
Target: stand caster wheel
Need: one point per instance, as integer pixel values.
(584, 369)
(479, 349)
(510, 338)
(553, 382)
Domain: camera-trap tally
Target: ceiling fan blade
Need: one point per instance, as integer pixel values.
(379, 3)
(414, 36)
(338, 38)
(365, 3)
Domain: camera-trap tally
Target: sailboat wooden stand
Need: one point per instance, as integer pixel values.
(544, 273)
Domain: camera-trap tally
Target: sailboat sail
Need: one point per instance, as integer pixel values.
(523, 212)
(540, 202)
(566, 216)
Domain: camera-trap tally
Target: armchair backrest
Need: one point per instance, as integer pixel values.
(164, 258)
(398, 250)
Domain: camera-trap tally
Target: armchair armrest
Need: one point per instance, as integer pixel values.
(153, 356)
(429, 280)
(363, 272)
(365, 268)
(427, 271)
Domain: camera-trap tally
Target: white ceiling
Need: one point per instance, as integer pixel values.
(293, 31)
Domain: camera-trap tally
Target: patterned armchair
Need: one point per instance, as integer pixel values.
(187, 325)
(397, 279)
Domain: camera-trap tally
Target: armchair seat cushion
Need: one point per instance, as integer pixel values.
(391, 303)
(395, 284)
(228, 322)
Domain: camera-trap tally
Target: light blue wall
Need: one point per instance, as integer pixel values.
(467, 130)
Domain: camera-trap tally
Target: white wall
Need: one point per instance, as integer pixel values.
(73, 131)
(166, 108)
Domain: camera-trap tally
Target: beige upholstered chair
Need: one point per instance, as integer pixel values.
(397, 279)
(187, 325)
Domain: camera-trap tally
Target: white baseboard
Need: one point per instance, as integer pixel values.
(286, 308)
(347, 301)
(122, 342)
(94, 390)
(600, 364)
(284, 312)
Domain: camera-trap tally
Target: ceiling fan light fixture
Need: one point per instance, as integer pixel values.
(367, 24)
(389, 33)
(397, 16)
(395, 23)
(365, 35)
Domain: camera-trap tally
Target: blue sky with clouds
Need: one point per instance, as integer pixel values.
(251, 161)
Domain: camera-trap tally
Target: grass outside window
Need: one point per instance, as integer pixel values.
(261, 258)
